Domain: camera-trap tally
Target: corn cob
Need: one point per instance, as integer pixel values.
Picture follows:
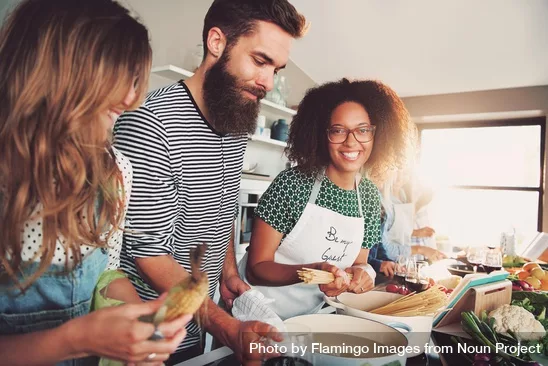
(188, 295)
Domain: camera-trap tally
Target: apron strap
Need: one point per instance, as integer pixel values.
(318, 184)
(357, 180)
(316, 189)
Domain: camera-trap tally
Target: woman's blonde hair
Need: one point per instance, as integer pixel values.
(63, 65)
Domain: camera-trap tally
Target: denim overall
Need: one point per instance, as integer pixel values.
(53, 299)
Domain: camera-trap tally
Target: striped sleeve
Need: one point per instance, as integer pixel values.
(152, 211)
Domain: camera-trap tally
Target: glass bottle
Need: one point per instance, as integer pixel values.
(283, 89)
(508, 242)
(279, 92)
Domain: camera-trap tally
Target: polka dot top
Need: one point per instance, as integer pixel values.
(284, 201)
(31, 237)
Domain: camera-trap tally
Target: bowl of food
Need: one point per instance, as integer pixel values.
(416, 313)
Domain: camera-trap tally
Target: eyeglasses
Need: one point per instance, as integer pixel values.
(338, 135)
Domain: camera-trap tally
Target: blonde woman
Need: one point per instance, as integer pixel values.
(68, 68)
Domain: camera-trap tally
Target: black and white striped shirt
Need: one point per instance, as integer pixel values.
(186, 179)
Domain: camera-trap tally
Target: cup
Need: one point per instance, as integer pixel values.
(476, 257)
(400, 269)
(261, 124)
(493, 260)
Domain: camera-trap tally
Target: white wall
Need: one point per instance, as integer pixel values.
(5, 6)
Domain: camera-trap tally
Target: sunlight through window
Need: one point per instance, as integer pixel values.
(485, 180)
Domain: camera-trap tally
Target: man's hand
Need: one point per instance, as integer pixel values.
(338, 286)
(361, 281)
(231, 288)
(249, 334)
(387, 268)
(423, 232)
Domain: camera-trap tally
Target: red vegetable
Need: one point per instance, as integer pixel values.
(404, 291)
(482, 357)
(392, 288)
(525, 286)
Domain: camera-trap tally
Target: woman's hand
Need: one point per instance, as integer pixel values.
(338, 286)
(387, 268)
(116, 333)
(361, 281)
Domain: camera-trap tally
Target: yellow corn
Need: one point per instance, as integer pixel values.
(185, 298)
(188, 295)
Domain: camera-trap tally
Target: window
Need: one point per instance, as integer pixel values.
(487, 177)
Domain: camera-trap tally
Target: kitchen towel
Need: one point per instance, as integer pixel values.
(253, 305)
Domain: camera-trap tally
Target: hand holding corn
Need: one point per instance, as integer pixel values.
(188, 295)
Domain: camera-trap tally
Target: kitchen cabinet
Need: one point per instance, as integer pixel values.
(267, 154)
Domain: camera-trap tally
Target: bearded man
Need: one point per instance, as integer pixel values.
(186, 144)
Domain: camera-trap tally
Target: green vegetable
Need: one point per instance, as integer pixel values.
(482, 332)
(534, 302)
(534, 297)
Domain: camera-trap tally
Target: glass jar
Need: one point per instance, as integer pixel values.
(279, 92)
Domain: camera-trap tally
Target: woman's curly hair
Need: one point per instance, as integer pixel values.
(395, 134)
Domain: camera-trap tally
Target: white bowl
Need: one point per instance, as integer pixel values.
(358, 305)
(337, 328)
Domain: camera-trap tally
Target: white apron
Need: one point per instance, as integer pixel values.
(402, 224)
(319, 235)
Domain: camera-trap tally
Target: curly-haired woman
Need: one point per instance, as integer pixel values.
(323, 213)
(68, 68)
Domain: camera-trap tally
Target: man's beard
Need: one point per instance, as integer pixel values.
(229, 111)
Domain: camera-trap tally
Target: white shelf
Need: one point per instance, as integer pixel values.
(177, 73)
(172, 72)
(265, 140)
(278, 108)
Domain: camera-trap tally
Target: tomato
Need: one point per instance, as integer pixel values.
(392, 288)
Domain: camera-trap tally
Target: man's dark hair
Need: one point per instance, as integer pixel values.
(307, 144)
(237, 18)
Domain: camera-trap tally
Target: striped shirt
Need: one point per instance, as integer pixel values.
(186, 181)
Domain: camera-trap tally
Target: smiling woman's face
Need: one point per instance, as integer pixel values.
(110, 116)
(351, 155)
